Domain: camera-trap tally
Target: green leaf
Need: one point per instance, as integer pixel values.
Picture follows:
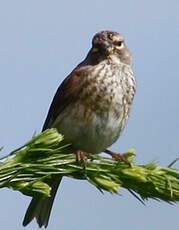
(29, 168)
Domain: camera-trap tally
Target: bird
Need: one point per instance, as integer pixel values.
(90, 108)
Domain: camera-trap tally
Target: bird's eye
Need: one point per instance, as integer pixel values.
(119, 43)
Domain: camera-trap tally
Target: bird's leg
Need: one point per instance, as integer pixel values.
(82, 156)
(118, 156)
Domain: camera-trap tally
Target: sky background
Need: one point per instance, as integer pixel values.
(40, 43)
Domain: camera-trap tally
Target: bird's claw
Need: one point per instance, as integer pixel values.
(82, 156)
(119, 157)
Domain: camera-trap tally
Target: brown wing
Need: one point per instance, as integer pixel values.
(67, 93)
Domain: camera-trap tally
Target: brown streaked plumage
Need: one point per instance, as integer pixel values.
(91, 107)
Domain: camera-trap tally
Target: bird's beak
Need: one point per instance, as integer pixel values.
(105, 47)
(108, 48)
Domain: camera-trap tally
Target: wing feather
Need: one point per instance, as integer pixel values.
(67, 93)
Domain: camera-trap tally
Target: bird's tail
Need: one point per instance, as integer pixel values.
(40, 208)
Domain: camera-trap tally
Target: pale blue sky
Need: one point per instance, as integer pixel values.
(40, 43)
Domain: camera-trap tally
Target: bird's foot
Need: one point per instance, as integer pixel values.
(119, 157)
(82, 156)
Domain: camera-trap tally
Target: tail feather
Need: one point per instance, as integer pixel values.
(41, 208)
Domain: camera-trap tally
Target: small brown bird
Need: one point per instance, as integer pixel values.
(90, 108)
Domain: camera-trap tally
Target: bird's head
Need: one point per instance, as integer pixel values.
(107, 44)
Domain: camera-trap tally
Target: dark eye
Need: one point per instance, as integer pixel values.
(119, 43)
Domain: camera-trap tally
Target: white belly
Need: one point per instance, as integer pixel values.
(94, 133)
